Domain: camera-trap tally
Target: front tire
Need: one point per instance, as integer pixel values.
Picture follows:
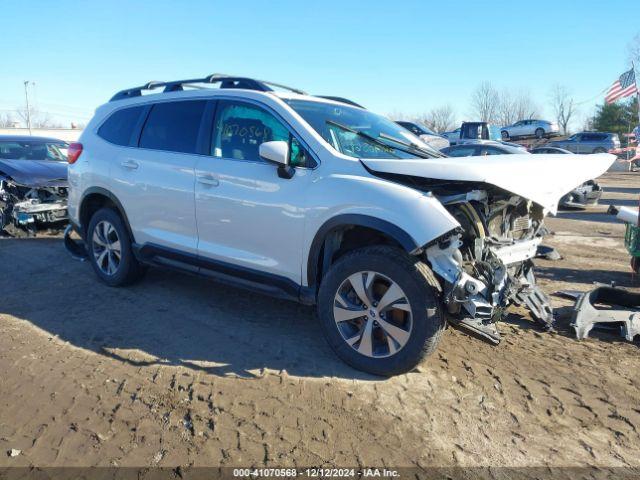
(379, 310)
(109, 249)
(505, 135)
(539, 133)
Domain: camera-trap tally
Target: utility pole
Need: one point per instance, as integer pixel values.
(26, 97)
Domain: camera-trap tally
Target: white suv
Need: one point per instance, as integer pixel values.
(319, 201)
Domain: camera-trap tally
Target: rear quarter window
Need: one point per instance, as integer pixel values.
(119, 127)
(173, 126)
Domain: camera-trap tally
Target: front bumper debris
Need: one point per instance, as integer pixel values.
(476, 304)
(607, 305)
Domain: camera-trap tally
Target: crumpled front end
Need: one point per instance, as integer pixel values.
(486, 265)
(25, 208)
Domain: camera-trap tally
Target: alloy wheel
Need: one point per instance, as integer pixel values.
(373, 314)
(106, 248)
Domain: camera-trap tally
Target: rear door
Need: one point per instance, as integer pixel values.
(248, 216)
(154, 181)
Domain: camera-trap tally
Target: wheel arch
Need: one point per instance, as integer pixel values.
(95, 198)
(328, 241)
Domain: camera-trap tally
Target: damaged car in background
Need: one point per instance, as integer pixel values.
(33, 184)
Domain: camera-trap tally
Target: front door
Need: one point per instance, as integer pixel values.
(246, 214)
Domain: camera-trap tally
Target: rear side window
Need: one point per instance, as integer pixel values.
(173, 126)
(120, 125)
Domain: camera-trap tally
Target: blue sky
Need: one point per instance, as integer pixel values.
(404, 56)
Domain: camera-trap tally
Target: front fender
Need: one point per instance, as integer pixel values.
(411, 217)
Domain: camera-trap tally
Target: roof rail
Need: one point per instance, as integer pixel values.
(225, 81)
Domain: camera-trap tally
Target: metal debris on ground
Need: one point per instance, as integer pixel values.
(607, 305)
(550, 253)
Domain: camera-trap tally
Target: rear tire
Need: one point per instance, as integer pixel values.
(109, 249)
(539, 133)
(505, 135)
(384, 339)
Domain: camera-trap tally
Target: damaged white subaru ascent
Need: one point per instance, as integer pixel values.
(318, 200)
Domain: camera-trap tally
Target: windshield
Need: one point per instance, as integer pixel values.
(360, 133)
(33, 150)
(494, 133)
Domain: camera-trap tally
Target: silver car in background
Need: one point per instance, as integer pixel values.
(425, 134)
(588, 142)
(530, 128)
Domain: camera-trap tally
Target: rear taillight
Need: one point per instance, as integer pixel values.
(73, 152)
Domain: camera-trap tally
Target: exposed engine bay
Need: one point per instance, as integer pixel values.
(500, 234)
(497, 204)
(486, 265)
(25, 208)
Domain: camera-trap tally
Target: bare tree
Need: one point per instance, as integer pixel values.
(563, 106)
(440, 119)
(38, 119)
(484, 102)
(524, 106)
(6, 120)
(513, 107)
(505, 114)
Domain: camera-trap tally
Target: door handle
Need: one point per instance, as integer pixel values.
(208, 180)
(130, 164)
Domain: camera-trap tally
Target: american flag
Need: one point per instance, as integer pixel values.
(623, 87)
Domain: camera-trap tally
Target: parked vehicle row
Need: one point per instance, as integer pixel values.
(316, 200)
(478, 132)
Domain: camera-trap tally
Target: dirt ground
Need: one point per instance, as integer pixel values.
(178, 370)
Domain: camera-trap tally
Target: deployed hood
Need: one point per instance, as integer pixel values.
(543, 179)
(35, 173)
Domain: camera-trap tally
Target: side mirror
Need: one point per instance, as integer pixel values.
(278, 153)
